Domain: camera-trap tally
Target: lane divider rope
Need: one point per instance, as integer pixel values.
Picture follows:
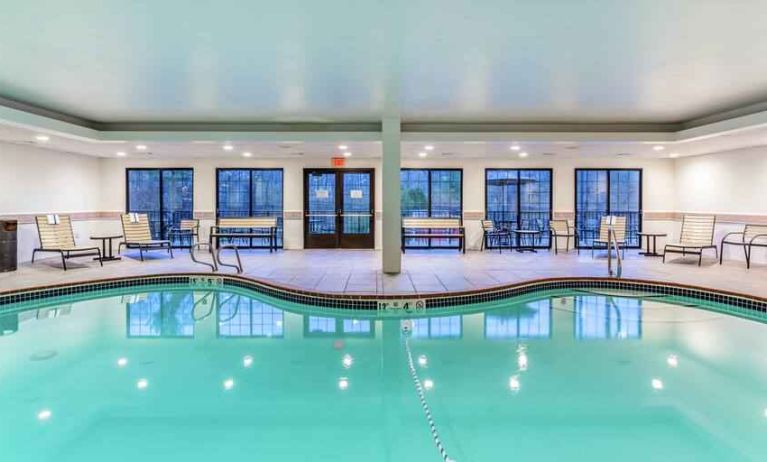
(425, 405)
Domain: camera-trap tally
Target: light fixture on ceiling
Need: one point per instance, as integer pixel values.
(347, 154)
(42, 138)
(423, 154)
(141, 147)
(674, 155)
(659, 148)
(120, 154)
(515, 147)
(247, 154)
(429, 147)
(523, 154)
(343, 147)
(228, 147)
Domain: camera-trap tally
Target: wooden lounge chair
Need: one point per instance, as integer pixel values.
(619, 226)
(565, 229)
(137, 235)
(490, 232)
(56, 235)
(186, 229)
(751, 236)
(697, 235)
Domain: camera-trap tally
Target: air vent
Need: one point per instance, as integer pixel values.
(447, 154)
(549, 154)
(623, 154)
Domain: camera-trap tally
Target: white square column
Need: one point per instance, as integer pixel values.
(390, 185)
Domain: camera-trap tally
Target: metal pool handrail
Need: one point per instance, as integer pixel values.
(612, 242)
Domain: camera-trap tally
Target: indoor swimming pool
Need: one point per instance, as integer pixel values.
(199, 374)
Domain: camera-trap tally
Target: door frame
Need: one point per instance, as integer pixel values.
(338, 240)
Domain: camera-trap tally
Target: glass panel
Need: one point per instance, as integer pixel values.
(356, 203)
(624, 201)
(267, 198)
(144, 197)
(177, 197)
(322, 203)
(166, 210)
(520, 199)
(245, 317)
(533, 320)
(431, 193)
(251, 192)
(602, 192)
(607, 317)
(161, 314)
(590, 203)
(442, 327)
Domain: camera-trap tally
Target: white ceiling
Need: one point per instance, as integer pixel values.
(356, 60)
(369, 149)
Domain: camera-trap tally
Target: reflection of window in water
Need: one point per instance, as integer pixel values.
(245, 317)
(442, 327)
(319, 326)
(161, 314)
(607, 317)
(531, 320)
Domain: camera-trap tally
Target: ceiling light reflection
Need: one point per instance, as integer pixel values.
(142, 384)
(514, 384)
(657, 384)
(347, 361)
(122, 362)
(428, 384)
(423, 361)
(672, 361)
(343, 383)
(247, 361)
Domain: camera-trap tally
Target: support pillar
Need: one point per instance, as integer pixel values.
(390, 183)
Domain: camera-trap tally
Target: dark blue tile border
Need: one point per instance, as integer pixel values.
(370, 302)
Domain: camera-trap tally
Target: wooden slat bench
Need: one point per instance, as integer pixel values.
(248, 227)
(424, 228)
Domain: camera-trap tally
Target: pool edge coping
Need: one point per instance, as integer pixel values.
(370, 301)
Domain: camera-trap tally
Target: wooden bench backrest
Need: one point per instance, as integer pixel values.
(753, 230)
(190, 224)
(138, 231)
(431, 223)
(619, 226)
(698, 229)
(561, 226)
(58, 236)
(247, 222)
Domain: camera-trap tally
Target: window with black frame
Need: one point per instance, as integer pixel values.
(600, 192)
(165, 195)
(250, 192)
(519, 199)
(433, 193)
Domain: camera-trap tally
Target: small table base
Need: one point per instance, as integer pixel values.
(106, 255)
(651, 251)
(531, 236)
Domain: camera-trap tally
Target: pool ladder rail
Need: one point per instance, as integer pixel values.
(612, 243)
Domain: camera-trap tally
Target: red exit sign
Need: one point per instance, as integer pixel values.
(338, 161)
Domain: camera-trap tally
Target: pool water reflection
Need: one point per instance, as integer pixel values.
(199, 375)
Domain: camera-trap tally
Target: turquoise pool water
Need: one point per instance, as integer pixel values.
(201, 375)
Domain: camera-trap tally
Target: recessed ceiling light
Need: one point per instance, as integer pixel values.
(42, 138)
(515, 147)
(429, 147)
(343, 147)
(247, 154)
(347, 154)
(120, 154)
(228, 147)
(423, 154)
(523, 154)
(141, 147)
(674, 155)
(659, 148)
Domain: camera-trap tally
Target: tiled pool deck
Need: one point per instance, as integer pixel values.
(358, 271)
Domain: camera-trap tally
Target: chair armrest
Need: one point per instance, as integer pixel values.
(751, 242)
(736, 233)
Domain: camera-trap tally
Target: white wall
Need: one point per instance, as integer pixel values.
(35, 180)
(725, 183)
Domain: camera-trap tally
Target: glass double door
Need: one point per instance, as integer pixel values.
(339, 209)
